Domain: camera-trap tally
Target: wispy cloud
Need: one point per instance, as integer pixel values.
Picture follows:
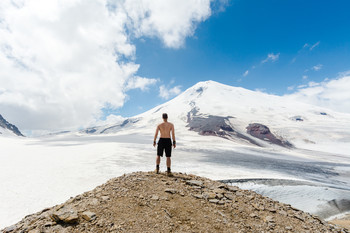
(260, 89)
(314, 45)
(309, 46)
(317, 67)
(271, 57)
(167, 93)
(290, 88)
(245, 73)
(305, 77)
(306, 48)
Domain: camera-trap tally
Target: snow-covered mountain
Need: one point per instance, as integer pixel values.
(7, 128)
(292, 152)
(244, 117)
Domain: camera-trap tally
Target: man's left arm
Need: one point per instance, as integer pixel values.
(173, 136)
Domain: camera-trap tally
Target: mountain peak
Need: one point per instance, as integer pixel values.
(9, 127)
(208, 83)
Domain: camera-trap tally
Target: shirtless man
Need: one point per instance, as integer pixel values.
(164, 142)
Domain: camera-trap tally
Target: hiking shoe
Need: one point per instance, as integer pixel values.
(169, 174)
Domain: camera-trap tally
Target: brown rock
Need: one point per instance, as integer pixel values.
(209, 195)
(88, 216)
(269, 219)
(199, 196)
(229, 196)
(215, 201)
(66, 216)
(10, 229)
(232, 188)
(172, 191)
(219, 191)
(195, 183)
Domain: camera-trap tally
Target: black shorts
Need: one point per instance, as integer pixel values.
(164, 144)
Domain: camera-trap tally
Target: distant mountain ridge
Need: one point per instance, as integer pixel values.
(6, 126)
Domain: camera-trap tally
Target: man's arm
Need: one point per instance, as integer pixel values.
(155, 136)
(173, 135)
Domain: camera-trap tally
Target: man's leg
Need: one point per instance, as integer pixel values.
(157, 164)
(168, 158)
(168, 162)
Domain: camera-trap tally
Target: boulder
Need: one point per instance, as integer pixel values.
(66, 216)
(88, 216)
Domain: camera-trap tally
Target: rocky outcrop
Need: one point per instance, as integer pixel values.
(111, 129)
(209, 125)
(263, 132)
(6, 125)
(148, 202)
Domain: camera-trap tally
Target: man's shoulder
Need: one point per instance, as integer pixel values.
(165, 123)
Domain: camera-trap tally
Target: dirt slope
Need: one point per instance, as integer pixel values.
(148, 202)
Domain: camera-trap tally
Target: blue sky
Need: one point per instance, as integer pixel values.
(309, 40)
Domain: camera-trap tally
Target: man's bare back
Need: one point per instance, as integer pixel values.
(165, 128)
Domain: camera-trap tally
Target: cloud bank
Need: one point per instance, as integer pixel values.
(62, 61)
(332, 94)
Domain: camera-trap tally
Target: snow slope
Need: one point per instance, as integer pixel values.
(305, 126)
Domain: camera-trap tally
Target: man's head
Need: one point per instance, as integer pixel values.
(165, 116)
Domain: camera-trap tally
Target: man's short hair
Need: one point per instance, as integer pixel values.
(165, 116)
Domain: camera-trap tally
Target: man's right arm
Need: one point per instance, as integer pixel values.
(155, 136)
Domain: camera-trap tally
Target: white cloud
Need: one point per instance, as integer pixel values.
(140, 82)
(314, 45)
(245, 73)
(62, 61)
(333, 94)
(271, 57)
(170, 20)
(317, 67)
(313, 84)
(305, 77)
(110, 119)
(263, 90)
(311, 47)
(167, 93)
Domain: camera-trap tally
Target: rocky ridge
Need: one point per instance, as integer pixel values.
(6, 125)
(148, 202)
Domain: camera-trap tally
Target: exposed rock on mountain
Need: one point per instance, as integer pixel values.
(215, 126)
(148, 202)
(9, 127)
(263, 132)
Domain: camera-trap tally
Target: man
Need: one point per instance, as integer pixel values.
(164, 142)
